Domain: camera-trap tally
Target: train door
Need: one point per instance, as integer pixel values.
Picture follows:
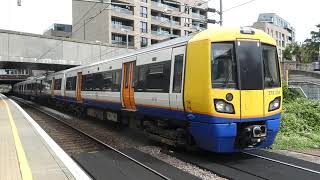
(251, 78)
(79, 86)
(176, 79)
(127, 85)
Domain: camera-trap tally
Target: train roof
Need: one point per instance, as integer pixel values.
(213, 34)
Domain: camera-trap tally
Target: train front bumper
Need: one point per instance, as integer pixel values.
(222, 137)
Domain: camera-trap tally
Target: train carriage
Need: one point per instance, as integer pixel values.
(219, 89)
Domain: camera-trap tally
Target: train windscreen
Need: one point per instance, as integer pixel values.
(256, 66)
(271, 67)
(250, 65)
(223, 66)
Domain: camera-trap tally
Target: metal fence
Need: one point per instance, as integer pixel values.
(310, 90)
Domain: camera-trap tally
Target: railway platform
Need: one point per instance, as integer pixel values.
(27, 152)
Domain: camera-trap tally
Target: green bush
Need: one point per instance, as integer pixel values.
(300, 124)
(290, 94)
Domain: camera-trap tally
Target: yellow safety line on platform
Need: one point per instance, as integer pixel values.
(25, 170)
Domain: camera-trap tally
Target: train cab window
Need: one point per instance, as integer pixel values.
(57, 84)
(223, 66)
(71, 83)
(177, 75)
(271, 66)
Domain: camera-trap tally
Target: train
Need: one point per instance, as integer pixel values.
(218, 90)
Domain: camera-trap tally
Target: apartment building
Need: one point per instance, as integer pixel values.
(278, 28)
(137, 23)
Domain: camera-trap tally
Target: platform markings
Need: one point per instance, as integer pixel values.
(71, 165)
(25, 169)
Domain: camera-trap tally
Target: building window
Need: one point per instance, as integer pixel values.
(143, 12)
(144, 42)
(145, 1)
(143, 27)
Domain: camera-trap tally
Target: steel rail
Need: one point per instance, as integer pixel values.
(96, 139)
(284, 163)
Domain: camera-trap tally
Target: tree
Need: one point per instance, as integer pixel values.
(293, 51)
(311, 46)
(306, 52)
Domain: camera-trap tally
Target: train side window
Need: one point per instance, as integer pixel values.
(97, 84)
(87, 82)
(140, 78)
(107, 81)
(57, 84)
(157, 78)
(71, 83)
(177, 75)
(48, 85)
(116, 81)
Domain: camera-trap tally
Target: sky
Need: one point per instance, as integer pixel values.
(34, 16)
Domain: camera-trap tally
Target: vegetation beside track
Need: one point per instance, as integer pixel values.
(300, 123)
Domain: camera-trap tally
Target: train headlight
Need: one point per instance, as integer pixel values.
(223, 107)
(275, 104)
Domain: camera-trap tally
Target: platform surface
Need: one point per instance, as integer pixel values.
(24, 153)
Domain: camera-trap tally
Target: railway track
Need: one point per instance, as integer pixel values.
(69, 137)
(259, 164)
(244, 165)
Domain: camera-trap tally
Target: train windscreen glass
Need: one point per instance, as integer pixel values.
(271, 66)
(223, 66)
(250, 65)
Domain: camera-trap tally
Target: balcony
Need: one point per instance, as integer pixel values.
(122, 10)
(165, 6)
(160, 33)
(162, 21)
(199, 16)
(122, 43)
(121, 27)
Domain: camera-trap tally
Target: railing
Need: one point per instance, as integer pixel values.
(164, 20)
(157, 4)
(120, 26)
(309, 89)
(122, 10)
(122, 43)
(198, 28)
(160, 33)
(198, 16)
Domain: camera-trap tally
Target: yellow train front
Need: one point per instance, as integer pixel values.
(233, 94)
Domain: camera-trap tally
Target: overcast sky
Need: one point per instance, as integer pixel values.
(35, 16)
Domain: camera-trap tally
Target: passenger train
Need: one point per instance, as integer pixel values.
(219, 90)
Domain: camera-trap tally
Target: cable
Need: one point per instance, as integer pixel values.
(238, 5)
